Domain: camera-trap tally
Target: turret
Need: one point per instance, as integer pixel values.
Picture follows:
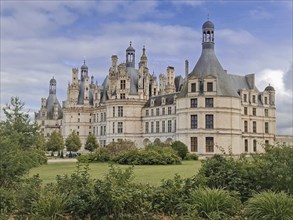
(130, 56)
(83, 71)
(170, 88)
(52, 86)
(143, 58)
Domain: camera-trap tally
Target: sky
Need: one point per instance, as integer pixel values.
(44, 39)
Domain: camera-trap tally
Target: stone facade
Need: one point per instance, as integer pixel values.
(209, 110)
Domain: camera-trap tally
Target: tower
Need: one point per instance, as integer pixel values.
(52, 86)
(208, 35)
(130, 56)
(83, 71)
(143, 58)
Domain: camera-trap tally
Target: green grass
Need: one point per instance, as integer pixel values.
(143, 173)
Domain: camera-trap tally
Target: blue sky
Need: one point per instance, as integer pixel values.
(41, 39)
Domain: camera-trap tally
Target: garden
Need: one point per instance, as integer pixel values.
(258, 186)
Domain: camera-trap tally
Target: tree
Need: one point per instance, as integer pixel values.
(19, 144)
(180, 148)
(91, 143)
(55, 142)
(72, 142)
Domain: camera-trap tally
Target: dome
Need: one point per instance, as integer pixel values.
(130, 48)
(269, 88)
(208, 24)
(53, 81)
(84, 66)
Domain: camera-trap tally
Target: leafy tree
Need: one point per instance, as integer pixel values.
(180, 148)
(72, 142)
(55, 142)
(91, 143)
(19, 143)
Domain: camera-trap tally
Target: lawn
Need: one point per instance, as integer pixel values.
(143, 174)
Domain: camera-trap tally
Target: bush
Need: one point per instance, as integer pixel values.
(214, 203)
(100, 155)
(191, 156)
(270, 205)
(180, 148)
(147, 157)
(115, 148)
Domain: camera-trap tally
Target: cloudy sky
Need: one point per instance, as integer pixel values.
(42, 39)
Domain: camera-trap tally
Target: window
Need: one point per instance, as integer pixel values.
(266, 100)
(267, 142)
(163, 101)
(254, 111)
(254, 146)
(157, 111)
(209, 121)
(169, 126)
(78, 120)
(245, 126)
(114, 111)
(147, 112)
(152, 112)
(266, 127)
(266, 113)
(163, 111)
(253, 99)
(193, 144)
(152, 127)
(77, 133)
(78, 114)
(43, 122)
(209, 144)
(245, 145)
(97, 117)
(147, 127)
(90, 120)
(163, 127)
(193, 103)
(105, 116)
(245, 110)
(122, 84)
(209, 102)
(209, 86)
(169, 110)
(157, 127)
(193, 87)
(254, 127)
(120, 127)
(122, 96)
(193, 121)
(113, 127)
(120, 111)
(245, 97)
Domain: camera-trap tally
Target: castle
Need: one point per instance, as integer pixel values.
(209, 109)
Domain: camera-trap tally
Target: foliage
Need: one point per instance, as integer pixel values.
(73, 142)
(55, 142)
(226, 172)
(270, 205)
(180, 148)
(77, 189)
(191, 156)
(147, 157)
(115, 148)
(274, 169)
(214, 203)
(91, 143)
(7, 203)
(20, 144)
(100, 155)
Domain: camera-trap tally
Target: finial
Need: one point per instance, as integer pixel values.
(208, 16)
(130, 43)
(83, 59)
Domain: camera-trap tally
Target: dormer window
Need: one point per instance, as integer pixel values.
(193, 87)
(122, 84)
(163, 101)
(152, 102)
(209, 86)
(245, 97)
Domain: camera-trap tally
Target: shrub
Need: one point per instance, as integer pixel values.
(270, 205)
(214, 203)
(147, 157)
(180, 148)
(115, 148)
(100, 155)
(191, 156)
